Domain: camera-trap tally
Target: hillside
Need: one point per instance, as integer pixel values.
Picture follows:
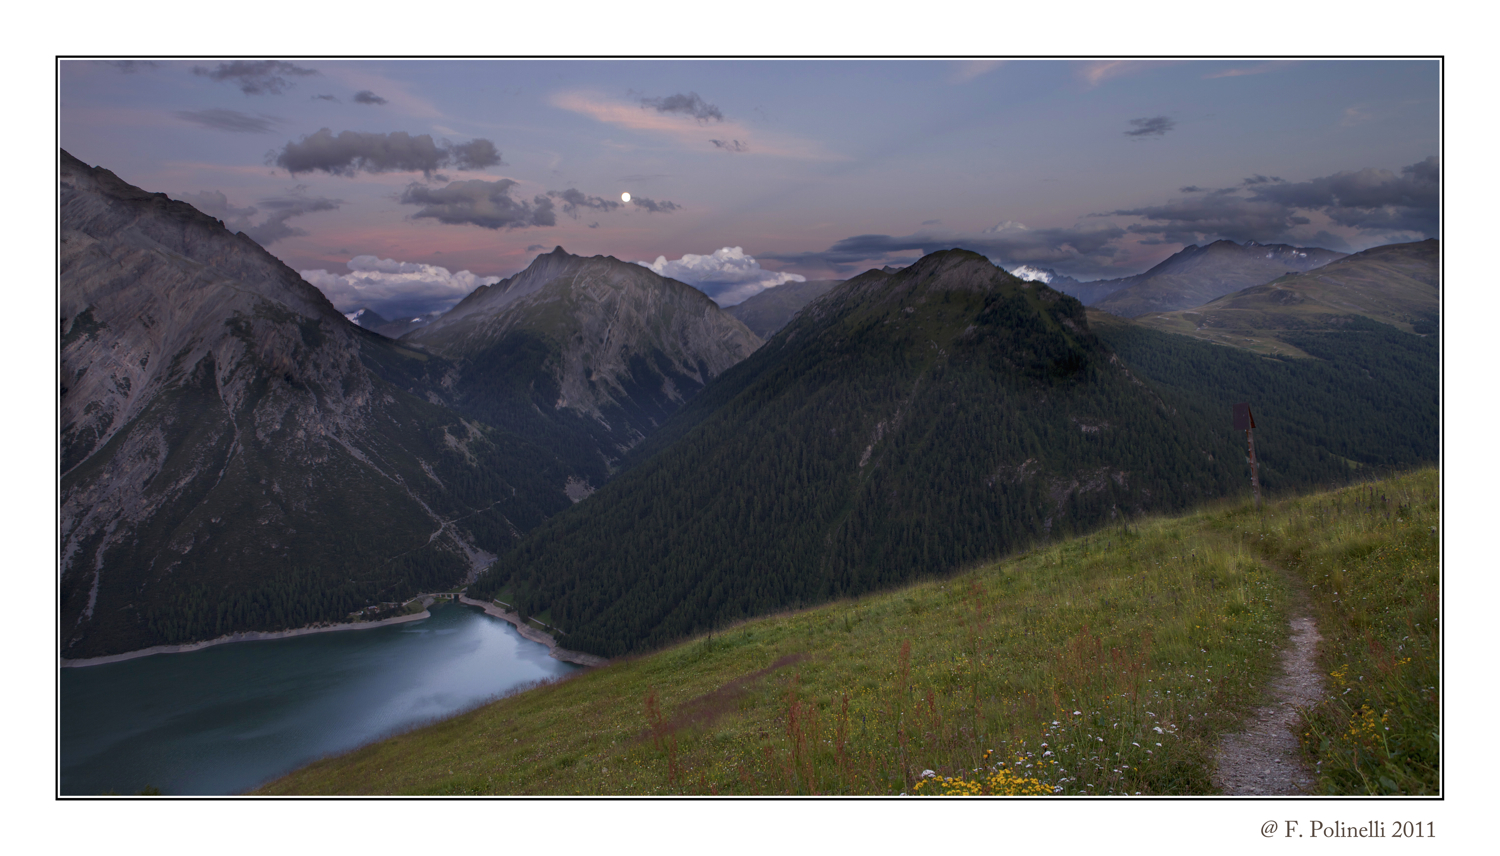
(1197, 275)
(1110, 664)
(1370, 399)
(237, 455)
(903, 425)
(1395, 285)
(586, 356)
(770, 310)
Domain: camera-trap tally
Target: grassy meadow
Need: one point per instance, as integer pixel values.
(1109, 664)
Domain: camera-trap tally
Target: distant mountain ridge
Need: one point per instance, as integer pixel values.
(367, 318)
(1196, 275)
(1396, 284)
(770, 310)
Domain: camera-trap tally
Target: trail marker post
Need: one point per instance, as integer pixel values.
(1244, 420)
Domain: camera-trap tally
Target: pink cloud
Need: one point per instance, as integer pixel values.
(1095, 73)
(687, 130)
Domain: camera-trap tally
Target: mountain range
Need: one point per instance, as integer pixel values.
(236, 454)
(1196, 275)
(632, 462)
(1396, 285)
(900, 426)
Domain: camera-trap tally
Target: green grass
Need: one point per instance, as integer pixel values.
(1108, 664)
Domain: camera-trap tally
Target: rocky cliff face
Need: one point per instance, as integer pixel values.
(235, 454)
(594, 346)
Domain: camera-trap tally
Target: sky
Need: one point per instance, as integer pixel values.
(401, 185)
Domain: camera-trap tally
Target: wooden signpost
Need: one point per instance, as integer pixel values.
(1244, 420)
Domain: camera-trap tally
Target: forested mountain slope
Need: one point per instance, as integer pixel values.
(903, 425)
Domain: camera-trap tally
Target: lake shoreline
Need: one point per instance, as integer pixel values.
(243, 636)
(576, 657)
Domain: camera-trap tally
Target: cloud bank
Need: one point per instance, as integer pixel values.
(217, 119)
(255, 77)
(352, 152)
(573, 199)
(395, 289)
(479, 203)
(654, 207)
(1090, 247)
(728, 276)
(1378, 202)
(365, 96)
(1378, 205)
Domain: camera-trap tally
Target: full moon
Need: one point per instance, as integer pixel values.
(625, 197)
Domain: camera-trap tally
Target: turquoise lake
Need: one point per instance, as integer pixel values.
(227, 718)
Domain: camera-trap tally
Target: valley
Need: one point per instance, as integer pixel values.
(1111, 663)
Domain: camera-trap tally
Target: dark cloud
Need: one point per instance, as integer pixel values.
(278, 210)
(1081, 249)
(1154, 126)
(730, 145)
(218, 119)
(365, 96)
(351, 152)
(283, 208)
(475, 155)
(333, 98)
(654, 207)
(131, 66)
(574, 199)
(932, 222)
(1266, 209)
(534, 247)
(1199, 219)
(688, 105)
(255, 77)
(480, 203)
(1191, 188)
(1372, 199)
(594, 225)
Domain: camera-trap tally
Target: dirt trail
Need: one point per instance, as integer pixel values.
(1264, 760)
